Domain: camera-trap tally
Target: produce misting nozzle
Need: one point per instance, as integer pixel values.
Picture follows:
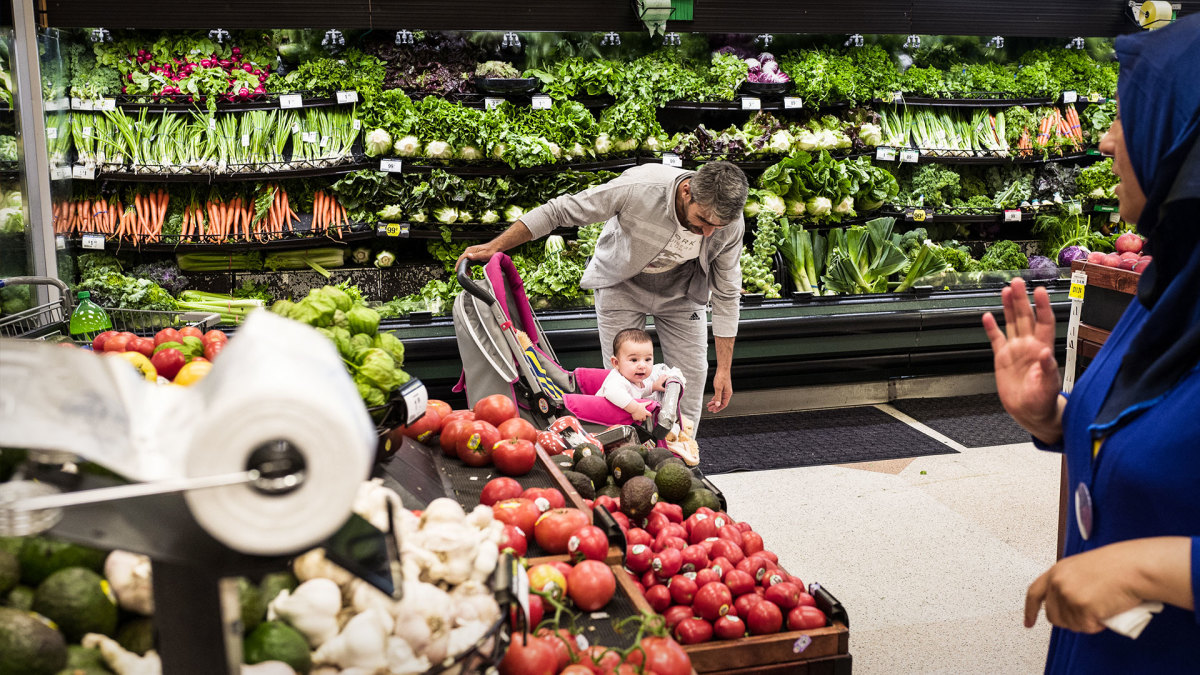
(672, 40)
(1076, 43)
(913, 42)
(101, 35)
(333, 40)
(610, 39)
(855, 40)
(404, 37)
(765, 39)
(997, 42)
(219, 34)
(511, 39)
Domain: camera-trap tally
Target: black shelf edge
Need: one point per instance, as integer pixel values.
(302, 240)
(411, 230)
(504, 170)
(272, 103)
(968, 102)
(283, 174)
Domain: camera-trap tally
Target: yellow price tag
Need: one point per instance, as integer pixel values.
(1094, 97)
(392, 229)
(1076, 292)
(919, 215)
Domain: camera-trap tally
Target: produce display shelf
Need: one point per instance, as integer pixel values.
(957, 157)
(179, 103)
(490, 169)
(300, 239)
(953, 215)
(978, 100)
(182, 176)
(459, 231)
(599, 627)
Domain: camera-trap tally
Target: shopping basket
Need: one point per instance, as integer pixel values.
(53, 318)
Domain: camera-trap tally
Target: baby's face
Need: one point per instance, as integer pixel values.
(635, 361)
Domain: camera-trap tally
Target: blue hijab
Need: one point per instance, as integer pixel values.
(1159, 92)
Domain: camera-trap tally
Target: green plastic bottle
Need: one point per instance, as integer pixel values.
(88, 320)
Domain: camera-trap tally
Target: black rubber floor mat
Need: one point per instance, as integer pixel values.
(810, 438)
(977, 421)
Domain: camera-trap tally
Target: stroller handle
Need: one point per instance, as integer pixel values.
(463, 272)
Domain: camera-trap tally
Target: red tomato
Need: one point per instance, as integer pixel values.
(743, 526)
(610, 504)
(546, 498)
(565, 647)
(119, 342)
(683, 590)
(637, 535)
(601, 660)
(655, 522)
(754, 566)
(721, 566)
(648, 580)
(168, 362)
(99, 340)
(724, 548)
(555, 527)
(424, 428)
(191, 330)
(666, 563)
(702, 529)
(664, 656)
(674, 530)
(167, 335)
(694, 559)
(673, 512)
(706, 576)
(637, 558)
(729, 628)
(499, 489)
(664, 542)
(452, 431)
(519, 512)
(475, 447)
(215, 334)
(772, 578)
(588, 543)
(518, 428)
(622, 520)
(576, 669)
(785, 594)
(529, 655)
(769, 556)
(675, 614)
(591, 585)
(659, 597)
(739, 582)
(145, 346)
(514, 540)
(693, 631)
(537, 608)
(745, 602)
(211, 348)
(805, 617)
(752, 542)
(712, 601)
(805, 599)
(495, 409)
(514, 456)
(764, 618)
(732, 534)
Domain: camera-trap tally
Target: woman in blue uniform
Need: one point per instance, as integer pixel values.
(1131, 426)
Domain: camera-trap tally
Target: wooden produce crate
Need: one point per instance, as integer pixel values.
(1105, 296)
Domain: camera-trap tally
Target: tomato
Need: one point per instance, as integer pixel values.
(683, 590)
(712, 601)
(499, 489)
(752, 542)
(600, 659)
(588, 543)
(514, 540)
(452, 431)
(550, 498)
(798, 581)
(675, 614)
(519, 512)
(754, 566)
(723, 548)
(456, 414)
(745, 602)
(214, 334)
(637, 535)
(743, 526)
(666, 563)
(721, 566)
(610, 504)
(706, 576)
(576, 669)
(702, 529)
(785, 594)
(591, 585)
(537, 609)
(637, 558)
(425, 427)
(648, 580)
(622, 520)
(659, 597)
(772, 578)
(673, 512)
(729, 628)
(529, 655)
(514, 456)
(144, 346)
(518, 427)
(563, 644)
(764, 618)
(495, 409)
(739, 582)
(99, 340)
(664, 656)
(555, 527)
(769, 556)
(167, 335)
(804, 617)
(655, 522)
(212, 348)
(192, 373)
(119, 342)
(666, 542)
(806, 600)
(693, 631)
(168, 362)
(548, 579)
(475, 446)
(694, 558)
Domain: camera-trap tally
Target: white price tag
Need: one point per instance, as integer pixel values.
(296, 128)
(1070, 97)
(885, 154)
(245, 140)
(792, 103)
(83, 172)
(1012, 215)
(489, 102)
(87, 132)
(59, 172)
(93, 242)
(1114, 217)
(51, 132)
(672, 159)
(1078, 284)
(60, 242)
(212, 124)
(109, 104)
(76, 103)
(542, 103)
(356, 124)
(909, 156)
(751, 103)
(325, 141)
(897, 97)
(391, 165)
(310, 137)
(347, 97)
(287, 101)
(415, 399)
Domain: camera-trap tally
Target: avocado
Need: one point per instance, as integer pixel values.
(670, 460)
(41, 557)
(20, 598)
(254, 609)
(674, 482)
(273, 583)
(698, 484)
(585, 450)
(79, 601)
(698, 498)
(29, 646)
(638, 496)
(88, 670)
(650, 473)
(593, 467)
(628, 465)
(10, 572)
(609, 491)
(12, 544)
(277, 641)
(657, 455)
(137, 635)
(83, 658)
(628, 447)
(581, 483)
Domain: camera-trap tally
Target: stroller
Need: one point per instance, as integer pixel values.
(504, 351)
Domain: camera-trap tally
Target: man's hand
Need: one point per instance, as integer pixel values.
(722, 391)
(515, 235)
(479, 252)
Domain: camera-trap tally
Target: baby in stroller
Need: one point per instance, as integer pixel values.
(635, 379)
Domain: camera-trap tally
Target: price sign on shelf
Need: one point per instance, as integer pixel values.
(1114, 217)
(309, 137)
(1078, 283)
(356, 124)
(83, 172)
(393, 229)
(347, 97)
(108, 104)
(792, 103)
(1093, 97)
(885, 154)
(909, 156)
(897, 97)
(287, 101)
(1070, 97)
(93, 242)
(1012, 215)
(751, 103)
(542, 102)
(672, 159)
(245, 140)
(391, 165)
(491, 102)
(60, 242)
(415, 399)
(920, 215)
(52, 132)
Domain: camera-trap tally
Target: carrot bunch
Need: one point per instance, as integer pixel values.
(1024, 145)
(89, 215)
(279, 216)
(327, 212)
(1075, 128)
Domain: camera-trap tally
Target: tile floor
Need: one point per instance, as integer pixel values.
(930, 556)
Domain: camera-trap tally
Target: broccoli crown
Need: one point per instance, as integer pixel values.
(957, 257)
(1004, 255)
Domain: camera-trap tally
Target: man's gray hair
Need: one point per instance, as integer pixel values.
(722, 187)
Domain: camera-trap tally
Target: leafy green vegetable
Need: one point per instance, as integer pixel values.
(1003, 255)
